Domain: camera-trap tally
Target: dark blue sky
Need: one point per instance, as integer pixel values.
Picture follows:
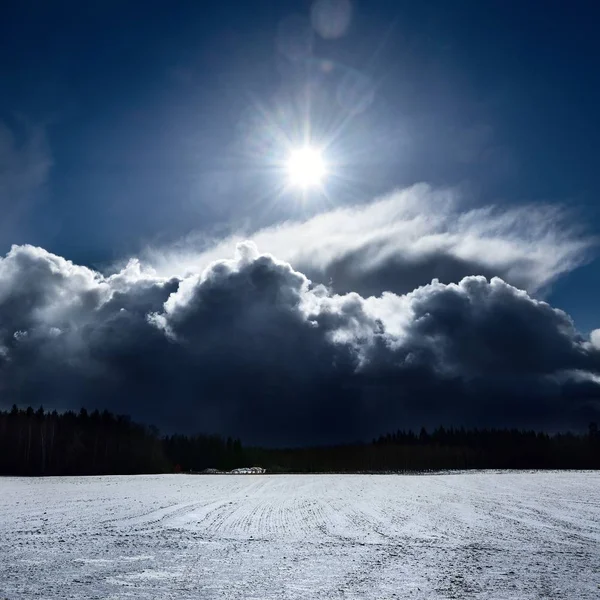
(128, 124)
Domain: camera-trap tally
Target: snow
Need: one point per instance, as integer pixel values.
(480, 535)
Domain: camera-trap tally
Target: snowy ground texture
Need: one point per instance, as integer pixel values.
(478, 535)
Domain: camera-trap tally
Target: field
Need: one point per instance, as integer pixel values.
(479, 535)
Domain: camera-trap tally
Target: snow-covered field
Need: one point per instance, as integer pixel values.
(478, 535)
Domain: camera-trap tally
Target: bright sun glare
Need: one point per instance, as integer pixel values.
(305, 167)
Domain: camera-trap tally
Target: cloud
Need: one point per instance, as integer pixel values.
(250, 346)
(406, 239)
(479, 328)
(25, 163)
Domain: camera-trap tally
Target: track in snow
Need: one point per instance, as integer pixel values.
(479, 535)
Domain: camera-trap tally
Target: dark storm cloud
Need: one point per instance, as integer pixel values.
(489, 328)
(251, 347)
(399, 274)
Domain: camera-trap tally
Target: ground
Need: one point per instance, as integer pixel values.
(478, 535)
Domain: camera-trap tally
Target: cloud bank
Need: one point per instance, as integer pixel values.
(250, 346)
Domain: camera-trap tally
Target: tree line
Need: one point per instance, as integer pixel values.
(69, 443)
(37, 442)
(443, 449)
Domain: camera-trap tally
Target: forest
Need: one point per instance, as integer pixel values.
(37, 442)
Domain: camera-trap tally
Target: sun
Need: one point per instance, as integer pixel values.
(306, 167)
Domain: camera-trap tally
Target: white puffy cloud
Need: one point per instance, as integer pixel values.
(406, 239)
